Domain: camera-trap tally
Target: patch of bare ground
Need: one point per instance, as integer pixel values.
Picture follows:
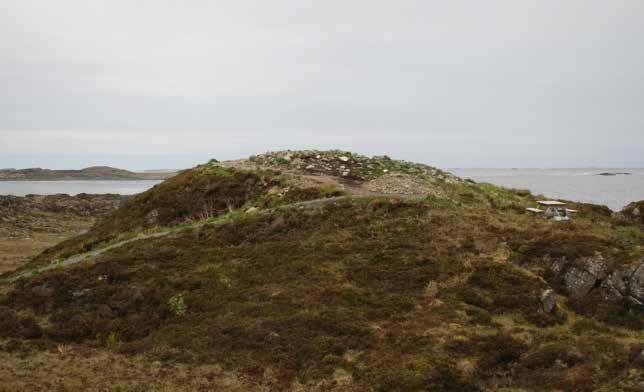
(402, 184)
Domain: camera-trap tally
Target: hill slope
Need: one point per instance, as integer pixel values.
(289, 279)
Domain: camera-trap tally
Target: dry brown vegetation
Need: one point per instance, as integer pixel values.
(377, 293)
(31, 224)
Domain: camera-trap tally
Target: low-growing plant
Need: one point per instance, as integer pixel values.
(112, 339)
(437, 201)
(630, 235)
(177, 305)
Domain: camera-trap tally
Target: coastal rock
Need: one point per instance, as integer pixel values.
(584, 275)
(636, 284)
(595, 265)
(623, 284)
(557, 264)
(579, 282)
(548, 300)
(634, 213)
(616, 285)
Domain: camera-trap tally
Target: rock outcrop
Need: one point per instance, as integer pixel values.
(634, 212)
(548, 300)
(625, 283)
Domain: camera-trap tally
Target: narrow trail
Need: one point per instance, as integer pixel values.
(76, 259)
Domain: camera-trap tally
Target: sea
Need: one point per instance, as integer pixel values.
(584, 185)
(23, 188)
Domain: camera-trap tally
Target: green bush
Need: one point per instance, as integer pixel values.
(177, 305)
(112, 339)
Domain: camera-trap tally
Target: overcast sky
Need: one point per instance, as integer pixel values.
(168, 84)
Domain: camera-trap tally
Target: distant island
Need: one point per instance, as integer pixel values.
(89, 173)
(614, 174)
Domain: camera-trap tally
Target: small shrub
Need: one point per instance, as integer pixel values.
(549, 354)
(13, 325)
(112, 339)
(177, 305)
(440, 202)
(630, 235)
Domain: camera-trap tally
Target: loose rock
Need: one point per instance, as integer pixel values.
(548, 300)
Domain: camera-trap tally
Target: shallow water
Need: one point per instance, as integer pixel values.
(585, 185)
(22, 188)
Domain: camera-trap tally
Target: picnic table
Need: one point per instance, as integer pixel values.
(554, 209)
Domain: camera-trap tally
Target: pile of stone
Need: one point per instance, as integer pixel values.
(348, 165)
(403, 184)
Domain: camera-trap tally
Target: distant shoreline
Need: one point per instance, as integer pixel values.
(96, 173)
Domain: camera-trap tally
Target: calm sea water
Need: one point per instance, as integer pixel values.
(22, 188)
(572, 184)
(583, 185)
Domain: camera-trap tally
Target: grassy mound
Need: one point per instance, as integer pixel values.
(206, 191)
(399, 295)
(365, 293)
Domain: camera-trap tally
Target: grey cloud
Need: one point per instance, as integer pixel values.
(459, 83)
